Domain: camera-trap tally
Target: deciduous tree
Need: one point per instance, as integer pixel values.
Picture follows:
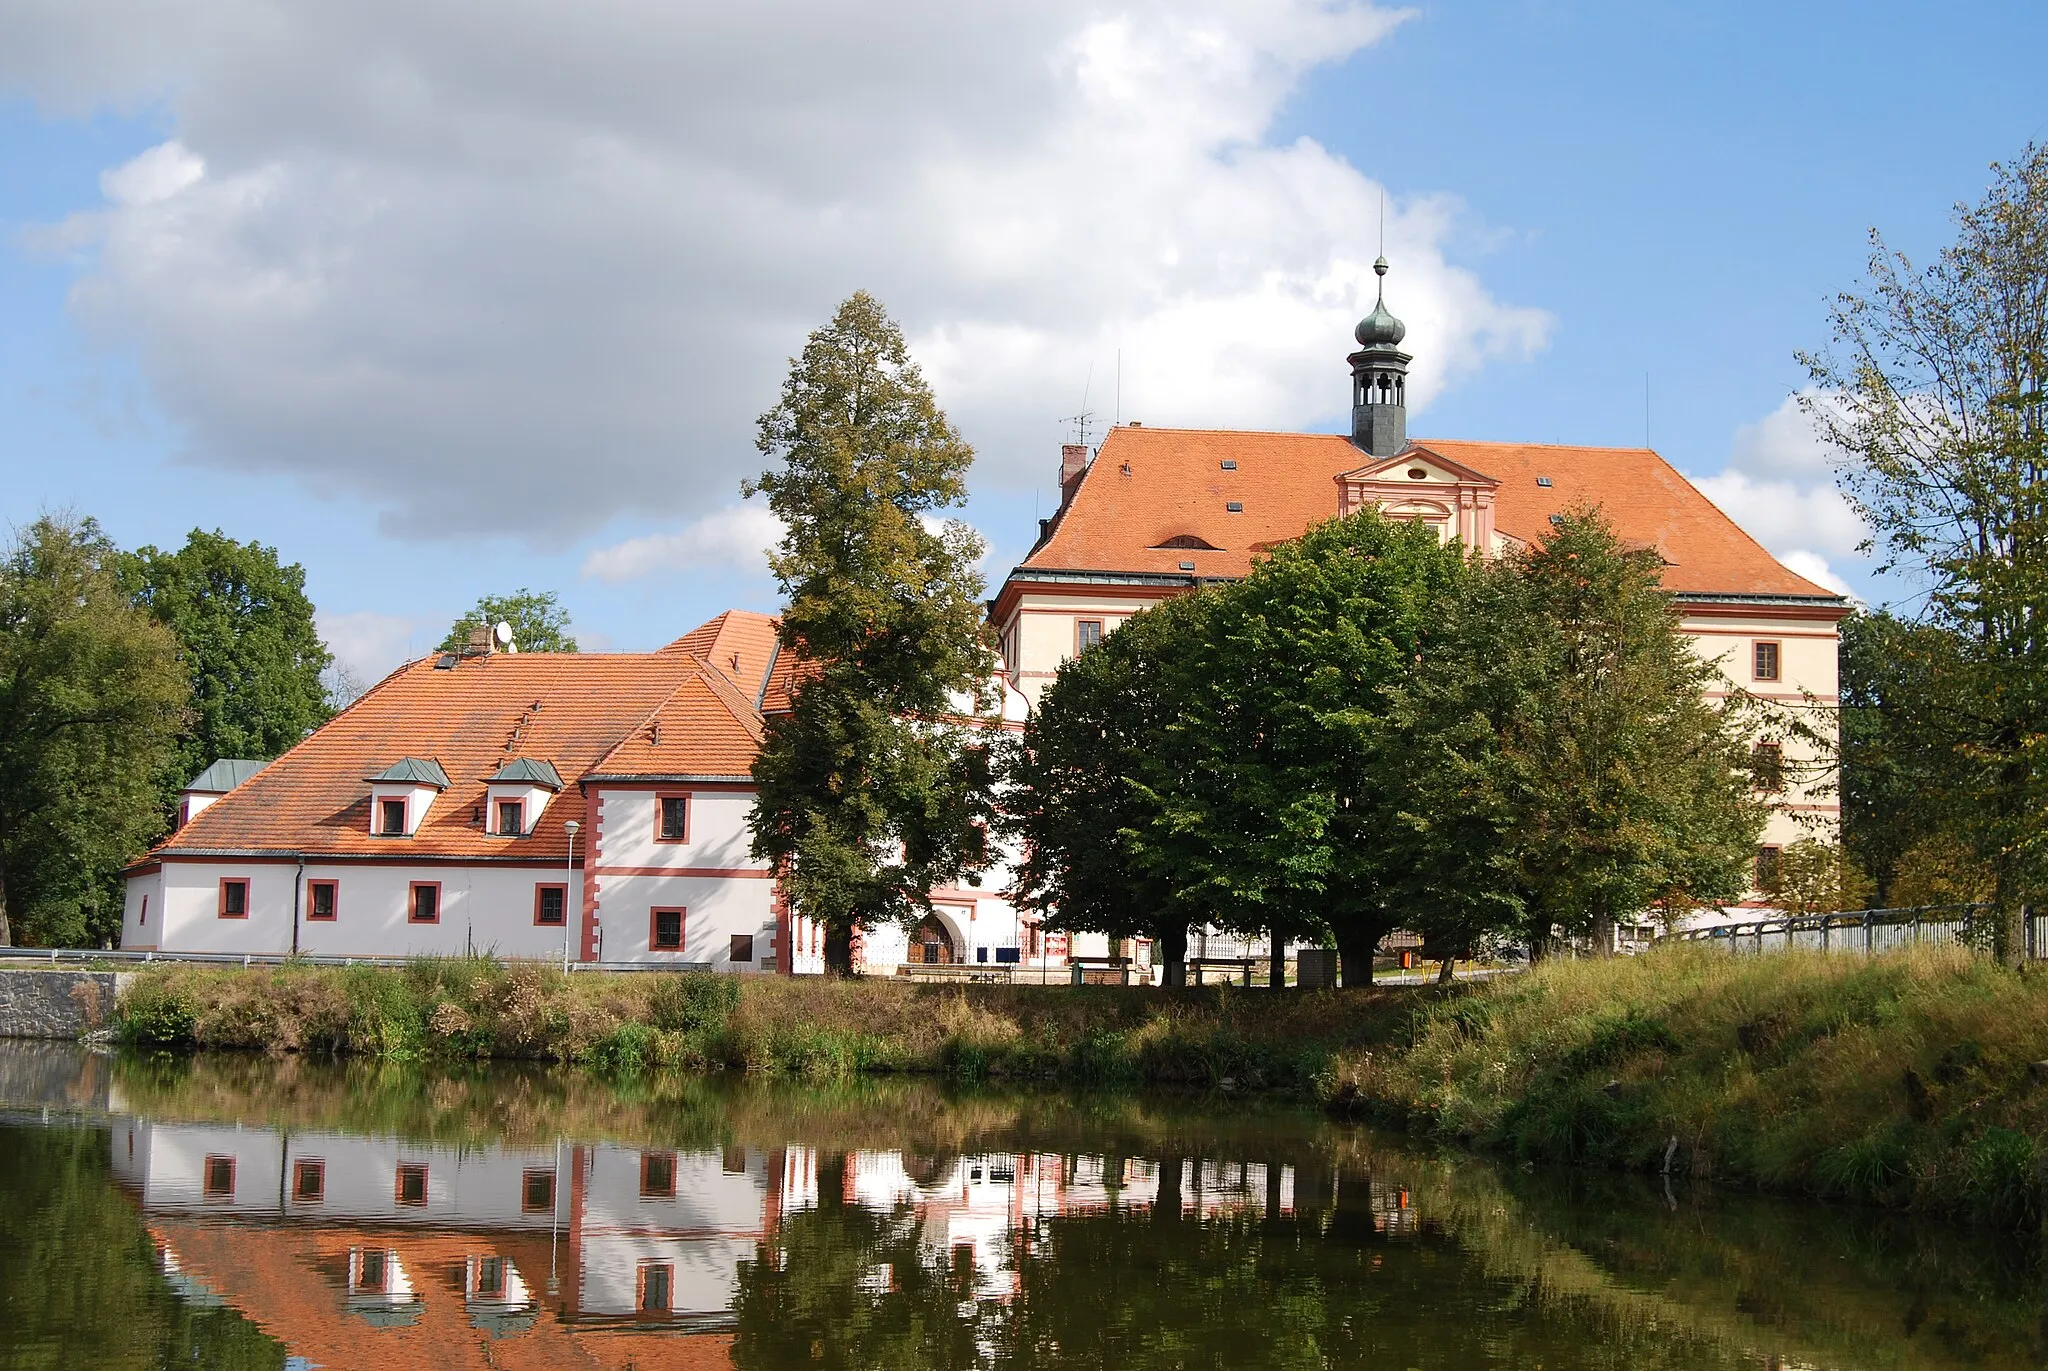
(539, 623)
(92, 703)
(872, 788)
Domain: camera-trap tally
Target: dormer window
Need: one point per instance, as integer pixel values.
(1234, 506)
(517, 794)
(1543, 481)
(401, 795)
(391, 818)
(512, 818)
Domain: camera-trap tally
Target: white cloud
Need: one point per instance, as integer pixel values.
(1779, 485)
(1782, 444)
(527, 269)
(735, 539)
(1814, 567)
(371, 645)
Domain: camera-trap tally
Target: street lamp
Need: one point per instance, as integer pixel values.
(568, 879)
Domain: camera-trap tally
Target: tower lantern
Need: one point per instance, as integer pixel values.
(1379, 378)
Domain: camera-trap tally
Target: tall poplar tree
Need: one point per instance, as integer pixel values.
(871, 790)
(1935, 392)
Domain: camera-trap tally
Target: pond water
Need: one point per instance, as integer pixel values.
(242, 1212)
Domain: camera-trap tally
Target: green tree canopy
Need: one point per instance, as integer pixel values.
(1935, 391)
(539, 623)
(246, 635)
(92, 705)
(869, 790)
(1560, 752)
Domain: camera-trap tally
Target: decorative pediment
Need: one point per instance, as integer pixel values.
(1435, 469)
(1424, 486)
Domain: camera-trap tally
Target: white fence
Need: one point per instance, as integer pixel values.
(1867, 931)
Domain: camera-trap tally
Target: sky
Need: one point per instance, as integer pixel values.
(448, 299)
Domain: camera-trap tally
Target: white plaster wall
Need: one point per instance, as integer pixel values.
(718, 830)
(136, 934)
(536, 798)
(717, 907)
(1040, 634)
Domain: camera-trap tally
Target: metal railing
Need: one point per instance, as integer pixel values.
(119, 958)
(1866, 932)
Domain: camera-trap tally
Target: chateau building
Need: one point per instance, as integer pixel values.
(1158, 512)
(585, 806)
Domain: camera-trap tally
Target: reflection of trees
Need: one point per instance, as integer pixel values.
(1166, 1288)
(81, 1288)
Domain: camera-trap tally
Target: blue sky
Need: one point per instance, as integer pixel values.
(448, 305)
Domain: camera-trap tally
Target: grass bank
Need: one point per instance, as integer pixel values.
(459, 1008)
(1908, 1079)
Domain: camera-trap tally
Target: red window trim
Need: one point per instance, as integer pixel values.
(222, 908)
(640, 1287)
(1102, 631)
(398, 1185)
(311, 1166)
(539, 886)
(526, 1178)
(647, 1191)
(689, 812)
(377, 815)
(412, 902)
(654, 926)
(1777, 647)
(206, 1177)
(333, 902)
(498, 816)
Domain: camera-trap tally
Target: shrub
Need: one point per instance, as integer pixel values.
(159, 1012)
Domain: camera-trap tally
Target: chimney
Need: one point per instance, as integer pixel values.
(1073, 463)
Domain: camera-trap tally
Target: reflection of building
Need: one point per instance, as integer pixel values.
(359, 1251)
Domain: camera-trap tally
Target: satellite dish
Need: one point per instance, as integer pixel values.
(503, 633)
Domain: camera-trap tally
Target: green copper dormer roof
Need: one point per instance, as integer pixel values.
(413, 771)
(528, 771)
(224, 775)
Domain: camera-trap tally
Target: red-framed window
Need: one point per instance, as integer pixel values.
(234, 897)
(1765, 663)
(373, 1269)
(656, 1287)
(409, 1187)
(657, 1175)
(665, 929)
(423, 903)
(512, 818)
(323, 901)
(1766, 867)
(1087, 634)
(217, 1178)
(1767, 767)
(742, 947)
(309, 1182)
(536, 1192)
(550, 904)
(487, 1281)
(391, 818)
(671, 817)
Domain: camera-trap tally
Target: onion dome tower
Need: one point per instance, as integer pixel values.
(1379, 378)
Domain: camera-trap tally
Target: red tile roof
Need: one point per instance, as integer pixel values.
(1150, 485)
(586, 713)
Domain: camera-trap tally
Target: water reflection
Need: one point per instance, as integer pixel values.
(700, 1224)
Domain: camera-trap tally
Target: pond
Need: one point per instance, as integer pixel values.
(246, 1212)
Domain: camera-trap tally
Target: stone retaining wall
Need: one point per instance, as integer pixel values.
(54, 1003)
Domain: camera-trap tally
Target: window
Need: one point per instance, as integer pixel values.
(743, 947)
(320, 900)
(672, 819)
(1767, 767)
(391, 818)
(1087, 634)
(550, 905)
(512, 818)
(537, 1192)
(309, 1182)
(1766, 868)
(1766, 664)
(142, 919)
(490, 1278)
(411, 1190)
(425, 906)
(217, 1179)
(657, 1279)
(665, 930)
(1233, 506)
(234, 898)
(657, 1175)
(372, 1270)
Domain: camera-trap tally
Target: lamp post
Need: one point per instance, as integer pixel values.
(568, 879)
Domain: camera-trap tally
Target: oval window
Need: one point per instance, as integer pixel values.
(1417, 474)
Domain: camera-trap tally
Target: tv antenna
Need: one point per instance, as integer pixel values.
(1086, 416)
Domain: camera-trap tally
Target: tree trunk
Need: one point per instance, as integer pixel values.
(1356, 948)
(1166, 1208)
(838, 948)
(6, 928)
(1173, 948)
(1449, 972)
(1603, 929)
(1279, 961)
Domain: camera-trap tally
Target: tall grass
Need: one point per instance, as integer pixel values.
(1901, 1079)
